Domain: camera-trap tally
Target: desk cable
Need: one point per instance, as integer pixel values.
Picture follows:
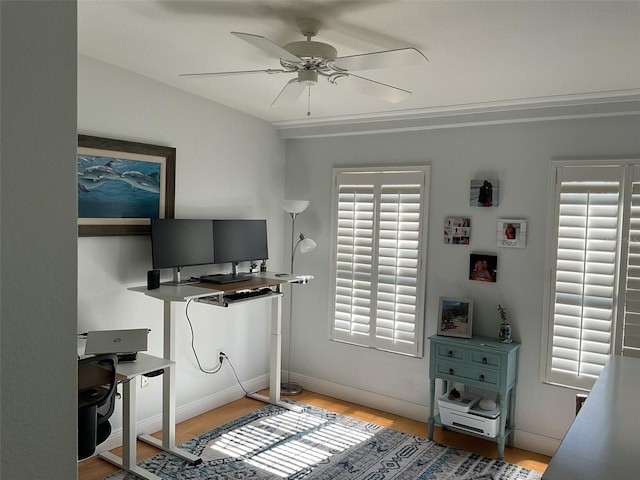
(193, 347)
(234, 373)
(223, 355)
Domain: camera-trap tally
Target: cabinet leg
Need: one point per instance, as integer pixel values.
(432, 395)
(503, 424)
(500, 441)
(511, 420)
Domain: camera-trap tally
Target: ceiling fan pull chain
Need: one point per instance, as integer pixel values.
(309, 103)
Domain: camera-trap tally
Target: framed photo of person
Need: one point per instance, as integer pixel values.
(457, 230)
(483, 268)
(512, 232)
(455, 317)
(484, 192)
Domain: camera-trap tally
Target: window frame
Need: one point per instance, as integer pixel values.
(380, 174)
(628, 173)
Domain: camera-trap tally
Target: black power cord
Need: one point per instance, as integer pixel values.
(222, 354)
(193, 347)
(221, 359)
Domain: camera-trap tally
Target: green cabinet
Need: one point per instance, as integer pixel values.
(477, 362)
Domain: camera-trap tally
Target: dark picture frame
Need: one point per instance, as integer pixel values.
(484, 192)
(483, 268)
(107, 162)
(455, 317)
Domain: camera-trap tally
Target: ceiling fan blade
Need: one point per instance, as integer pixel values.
(268, 46)
(238, 72)
(290, 92)
(385, 92)
(386, 59)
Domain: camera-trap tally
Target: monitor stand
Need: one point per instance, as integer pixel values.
(224, 278)
(177, 281)
(232, 277)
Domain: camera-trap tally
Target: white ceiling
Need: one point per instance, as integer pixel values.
(480, 52)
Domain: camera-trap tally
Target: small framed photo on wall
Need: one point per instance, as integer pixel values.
(455, 317)
(484, 192)
(457, 230)
(483, 268)
(512, 232)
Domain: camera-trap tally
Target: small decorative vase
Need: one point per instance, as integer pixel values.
(505, 333)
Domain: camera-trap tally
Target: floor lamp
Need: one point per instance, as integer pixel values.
(294, 208)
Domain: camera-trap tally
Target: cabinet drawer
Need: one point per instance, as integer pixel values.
(468, 374)
(451, 369)
(451, 352)
(485, 359)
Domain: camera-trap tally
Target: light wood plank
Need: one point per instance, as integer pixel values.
(95, 469)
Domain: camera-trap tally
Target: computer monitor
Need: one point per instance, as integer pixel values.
(178, 243)
(237, 241)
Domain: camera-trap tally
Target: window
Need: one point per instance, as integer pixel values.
(593, 296)
(379, 221)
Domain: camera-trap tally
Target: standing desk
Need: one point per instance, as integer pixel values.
(212, 293)
(126, 373)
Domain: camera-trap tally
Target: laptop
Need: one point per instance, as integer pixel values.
(125, 343)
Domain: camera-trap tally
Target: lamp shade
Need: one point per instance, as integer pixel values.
(306, 245)
(295, 206)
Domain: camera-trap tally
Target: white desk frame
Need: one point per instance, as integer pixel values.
(171, 295)
(143, 364)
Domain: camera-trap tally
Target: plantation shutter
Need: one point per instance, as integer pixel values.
(380, 239)
(354, 261)
(631, 328)
(398, 243)
(584, 281)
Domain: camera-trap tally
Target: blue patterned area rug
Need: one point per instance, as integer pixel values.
(274, 443)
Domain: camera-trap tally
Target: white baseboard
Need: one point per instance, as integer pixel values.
(525, 440)
(536, 443)
(363, 397)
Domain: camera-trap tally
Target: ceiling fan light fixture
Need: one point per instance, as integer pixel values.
(308, 77)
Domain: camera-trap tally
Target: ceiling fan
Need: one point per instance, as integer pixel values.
(310, 60)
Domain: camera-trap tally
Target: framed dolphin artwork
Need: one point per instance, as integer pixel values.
(123, 185)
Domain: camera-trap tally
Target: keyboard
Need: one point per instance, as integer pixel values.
(245, 294)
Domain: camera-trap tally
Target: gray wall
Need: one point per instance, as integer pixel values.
(519, 155)
(38, 396)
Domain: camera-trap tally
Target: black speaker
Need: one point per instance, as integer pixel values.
(153, 279)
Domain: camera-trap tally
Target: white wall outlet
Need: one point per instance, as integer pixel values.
(144, 381)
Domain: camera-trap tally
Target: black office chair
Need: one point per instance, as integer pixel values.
(96, 401)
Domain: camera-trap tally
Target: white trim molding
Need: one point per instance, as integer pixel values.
(598, 104)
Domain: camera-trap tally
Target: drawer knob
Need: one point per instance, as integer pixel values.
(482, 378)
(449, 353)
(484, 360)
(451, 371)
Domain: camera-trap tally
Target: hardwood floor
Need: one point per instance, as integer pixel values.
(96, 468)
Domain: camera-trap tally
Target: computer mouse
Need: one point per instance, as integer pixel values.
(487, 404)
